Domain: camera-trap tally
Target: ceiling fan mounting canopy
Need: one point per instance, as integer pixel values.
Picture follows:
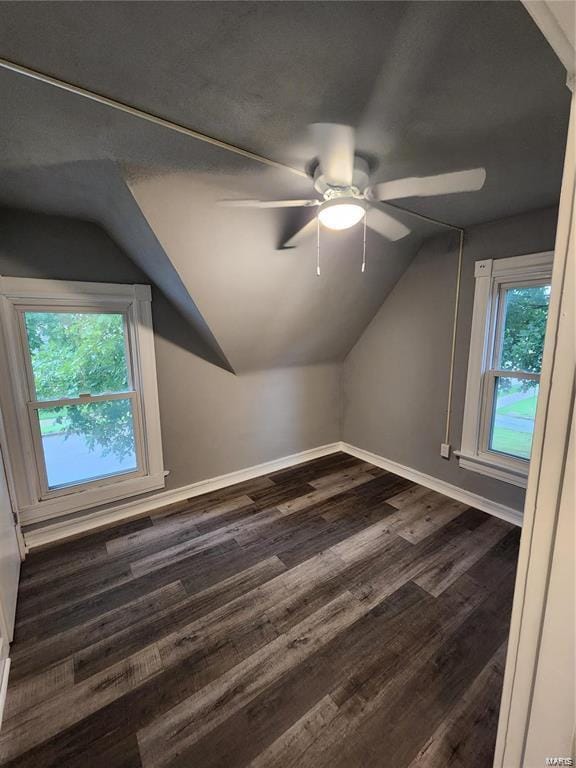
(358, 182)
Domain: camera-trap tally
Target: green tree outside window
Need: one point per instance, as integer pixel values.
(75, 353)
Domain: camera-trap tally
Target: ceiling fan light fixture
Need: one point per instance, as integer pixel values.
(341, 214)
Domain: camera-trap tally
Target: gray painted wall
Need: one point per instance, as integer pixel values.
(212, 421)
(395, 380)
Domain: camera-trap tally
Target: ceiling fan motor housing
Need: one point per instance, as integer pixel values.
(360, 179)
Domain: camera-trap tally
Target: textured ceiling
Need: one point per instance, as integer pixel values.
(430, 87)
(96, 191)
(266, 306)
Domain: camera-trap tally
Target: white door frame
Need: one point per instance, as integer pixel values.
(7, 620)
(546, 480)
(11, 489)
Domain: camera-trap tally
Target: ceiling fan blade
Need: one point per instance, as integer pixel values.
(269, 203)
(335, 147)
(303, 234)
(428, 186)
(386, 225)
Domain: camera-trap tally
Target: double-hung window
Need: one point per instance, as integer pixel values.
(508, 328)
(80, 404)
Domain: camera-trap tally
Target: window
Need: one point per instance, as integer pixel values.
(82, 405)
(508, 328)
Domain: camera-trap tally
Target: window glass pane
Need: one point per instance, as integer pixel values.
(524, 326)
(513, 416)
(76, 353)
(87, 441)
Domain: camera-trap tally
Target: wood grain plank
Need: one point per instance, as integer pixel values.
(311, 470)
(76, 556)
(109, 587)
(54, 556)
(31, 727)
(30, 658)
(467, 734)
(28, 693)
(33, 602)
(173, 529)
(396, 718)
(284, 752)
(498, 565)
(279, 493)
(409, 496)
(77, 561)
(327, 614)
(288, 699)
(298, 582)
(185, 549)
(423, 622)
(314, 497)
(186, 723)
(457, 662)
(75, 747)
(418, 524)
(166, 739)
(126, 713)
(325, 481)
(232, 619)
(378, 641)
(206, 501)
(378, 491)
(155, 626)
(467, 551)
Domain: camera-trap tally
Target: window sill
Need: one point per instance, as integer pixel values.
(491, 468)
(83, 499)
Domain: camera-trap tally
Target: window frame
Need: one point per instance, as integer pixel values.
(33, 404)
(35, 500)
(492, 278)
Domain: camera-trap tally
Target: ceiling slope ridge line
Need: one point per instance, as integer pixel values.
(422, 216)
(142, 114)
(197, 322)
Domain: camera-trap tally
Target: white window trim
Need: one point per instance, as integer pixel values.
(33, 503)
(491, 276)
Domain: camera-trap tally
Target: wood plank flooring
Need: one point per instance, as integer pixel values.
(331, 614)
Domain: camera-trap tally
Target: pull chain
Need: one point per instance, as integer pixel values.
(364, 245)
(317, 246)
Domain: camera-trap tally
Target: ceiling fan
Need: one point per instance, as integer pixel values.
(341, 177)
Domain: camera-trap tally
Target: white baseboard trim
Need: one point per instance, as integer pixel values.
(428, 481)
(4, 672)
(71, 528)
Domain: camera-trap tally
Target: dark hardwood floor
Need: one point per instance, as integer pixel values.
(331, 614)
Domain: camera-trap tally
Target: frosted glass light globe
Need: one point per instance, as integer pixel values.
(341, 214)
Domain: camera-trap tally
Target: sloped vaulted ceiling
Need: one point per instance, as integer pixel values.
(430, 87)
(96, 191)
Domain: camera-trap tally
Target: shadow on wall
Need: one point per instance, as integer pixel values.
(172, 326)
(59, 248)
(96, 191)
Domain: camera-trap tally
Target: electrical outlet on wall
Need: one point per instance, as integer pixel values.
(445, 450)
